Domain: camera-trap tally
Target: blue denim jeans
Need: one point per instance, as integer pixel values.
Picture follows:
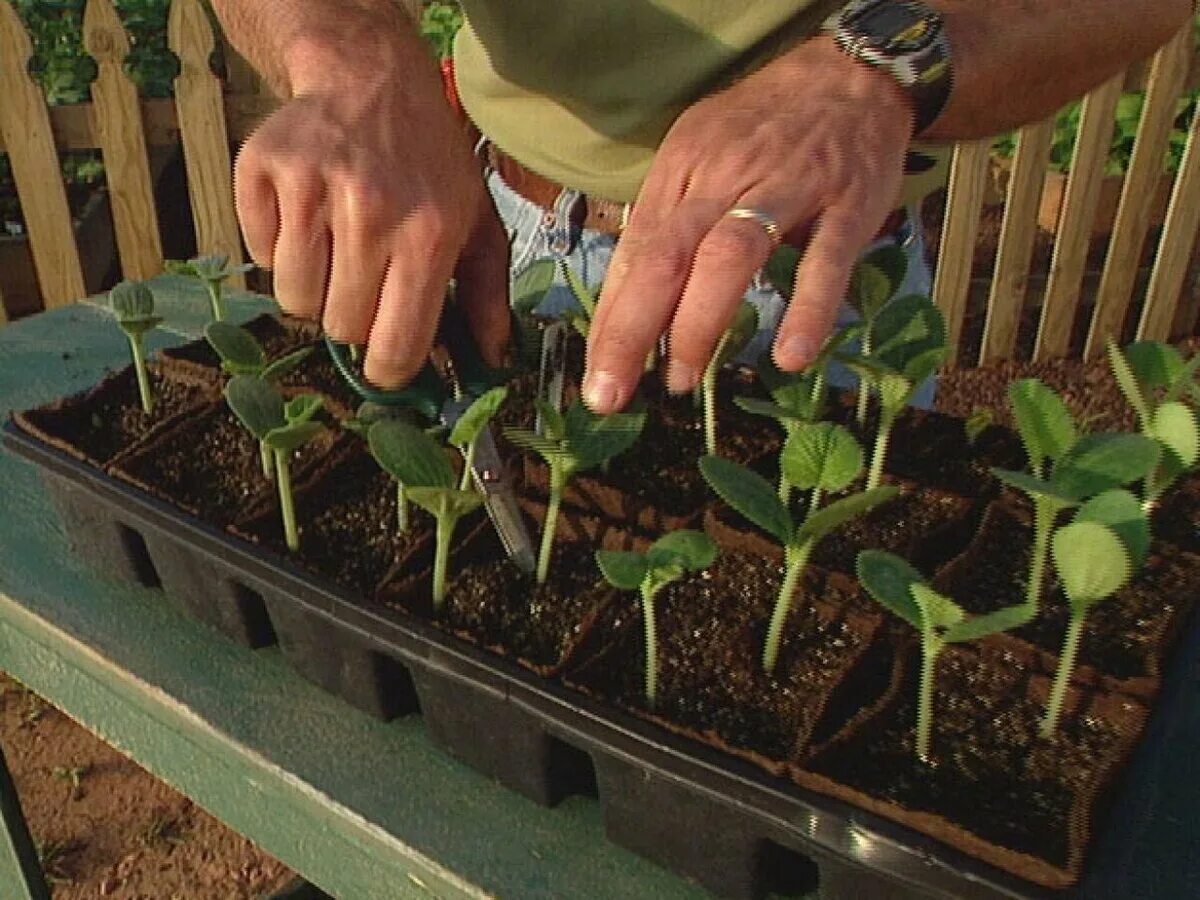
(536, 234)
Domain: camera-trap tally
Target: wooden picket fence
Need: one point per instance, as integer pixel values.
(209, 118)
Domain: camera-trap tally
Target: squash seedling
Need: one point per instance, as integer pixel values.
(937, 619)
(211, 271)
(283, 426)
(241, 354)
(423, 471)
(822, 456)
(909, 338)
(1078, 468)
(133, 306)
(573, 442)
(668, 559)
(1154, 377)
(464, 435)
(1096, 555)
(874, 281)
(732, 342)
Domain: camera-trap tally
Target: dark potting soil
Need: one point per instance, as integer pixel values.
(278, 336)
(318, 373)
(711, 630)
(210, 467)
(932, 449)
(1125, 636)
(994, 775)
(109, 418)
(499, 606)
(1177, 519)
(348, 524)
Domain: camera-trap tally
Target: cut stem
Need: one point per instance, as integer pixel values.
(879, 453)
(864, 390)
(1062, 677)
(557, 483)
(401, 508)
(268, 461)
(286, 507)
(143, 378)
(795, 559)
(651, 629)
(931, 649)
(708, 394)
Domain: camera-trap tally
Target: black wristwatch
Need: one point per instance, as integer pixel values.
(905, 38)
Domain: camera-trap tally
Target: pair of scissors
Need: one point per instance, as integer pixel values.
(444, 399)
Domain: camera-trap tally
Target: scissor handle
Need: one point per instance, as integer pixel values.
(426, 393)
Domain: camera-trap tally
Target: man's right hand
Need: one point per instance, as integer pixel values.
(362, 195)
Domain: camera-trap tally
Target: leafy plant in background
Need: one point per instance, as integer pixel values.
(572, 442)
(1065, 469)
(283, 426)
(1095, 556)
(211, 271)
(874, 281)
(439, 24)
(1154, 377)
(668, 559)
(937, 618)
(821, 455)
(732, 342)
(133, 305)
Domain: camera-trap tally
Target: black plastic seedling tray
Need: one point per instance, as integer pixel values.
(733, 828)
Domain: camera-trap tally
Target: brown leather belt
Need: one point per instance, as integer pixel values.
(606, 216)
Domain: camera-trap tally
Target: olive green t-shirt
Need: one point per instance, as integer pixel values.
(583, 91)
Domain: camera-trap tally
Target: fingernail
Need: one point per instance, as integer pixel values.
(602, 393)
(681, 377)
(796, 352)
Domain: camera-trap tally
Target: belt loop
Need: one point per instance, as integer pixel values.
(564, 222)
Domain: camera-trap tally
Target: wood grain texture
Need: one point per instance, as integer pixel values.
(201, 114)
(1015, 251)
(118, 125)
(1167, 76)
(964, 201)
(1069, 259)
(1175, 248)
(25, 128)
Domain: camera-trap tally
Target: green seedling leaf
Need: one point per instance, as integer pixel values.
(1154, 364)
(1174, 426)
(1035, 487)
(1186, 385)
(976, 627)
(1127, 381)
(257, 405)
(757, 407)
(889, 579)
(1045, 424)
(207, 268)
(938, 612)
(240, 353)
(302, 408)
(1091, 561)
(583, 296)
(749, 494)
(739, 333)
(841, 511)
(980, 420)
(554, 426)
(894, 392)
(869, 289)
(410, 455)
(909, 329)
(281, 367)
(131, 301)
(1123, 513)
(594, 439)
(292, 437)
(691, 550)
(1099, 462)
(821, 454)
(476, 416)
(545, 447)
(431, 499)
(531, 286)
(623, 569)
(892, 261)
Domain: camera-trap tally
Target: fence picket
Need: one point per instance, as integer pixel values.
(1175, 247)
(118, 122)
(964, 202)
(1069, 260)
(25, 126)
(1167, 76)
(201, 114)
(1015, 252)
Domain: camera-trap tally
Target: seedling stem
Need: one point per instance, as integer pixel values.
(1062, 677)
(286, 506)
(795, 560)
(143, 379)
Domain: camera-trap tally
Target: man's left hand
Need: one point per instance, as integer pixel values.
(813, 140)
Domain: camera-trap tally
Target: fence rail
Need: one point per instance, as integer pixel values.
(206, 118)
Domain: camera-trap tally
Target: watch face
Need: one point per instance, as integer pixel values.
(895, 28)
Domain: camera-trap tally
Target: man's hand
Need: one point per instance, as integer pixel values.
(362, 194)
(816, 141)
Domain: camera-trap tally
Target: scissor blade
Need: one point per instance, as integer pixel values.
(552, 369)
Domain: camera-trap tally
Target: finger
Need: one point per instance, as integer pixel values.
(302, 252)
(361, 248)
(482, 294)
(822, 279)
(257, 209)
(410, 302)
(729, 255)
(646, 277)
